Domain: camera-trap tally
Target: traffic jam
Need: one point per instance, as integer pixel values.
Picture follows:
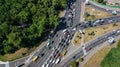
(59, 50)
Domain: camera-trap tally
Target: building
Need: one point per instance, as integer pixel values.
(113, 2)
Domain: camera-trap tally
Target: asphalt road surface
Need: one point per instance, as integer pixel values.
(92, 44)
(75, 24)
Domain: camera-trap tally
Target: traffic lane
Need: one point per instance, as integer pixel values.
(43, 59)
(100, 41)
(77, 12)
(2, 65)
(63, 48)
(102, 9)
(66, 63)
(114, 19)
(46, 50)
(55, 45)
(17, 62)
(41, 62)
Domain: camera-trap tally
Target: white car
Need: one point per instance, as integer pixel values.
(43, 65)
(47, 65)
(64, 30)
(53, 61)
(48, 44)
(114, 12)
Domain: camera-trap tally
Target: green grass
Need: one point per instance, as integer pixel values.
(112, 59)
(2, 58)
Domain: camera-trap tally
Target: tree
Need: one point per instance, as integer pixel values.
(73, 64)
(23, 23)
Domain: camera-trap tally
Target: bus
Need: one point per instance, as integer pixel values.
(64, 53)
(35, 58)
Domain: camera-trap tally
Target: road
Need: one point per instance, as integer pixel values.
(92, 44)
(47, 52)
(102, 9)
(102, 6)
(76, 20)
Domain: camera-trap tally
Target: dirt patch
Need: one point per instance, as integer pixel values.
(91, 33)
(77, 39)
(91, 13)
(18, 54)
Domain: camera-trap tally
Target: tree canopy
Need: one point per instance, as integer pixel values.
(24, 22)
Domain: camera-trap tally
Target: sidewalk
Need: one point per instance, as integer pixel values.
(1, 62)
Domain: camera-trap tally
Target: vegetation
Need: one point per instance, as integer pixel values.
(119, 43)
(113, 58)
(80, 59)
(73, 64)
(101, 1)
(24, 22)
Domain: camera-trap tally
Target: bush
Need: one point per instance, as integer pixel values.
(119, 43)
(87, 14)
(73, 64)
(81, 59)
(115, 24)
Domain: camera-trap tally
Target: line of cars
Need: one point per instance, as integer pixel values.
(71, 13)
(59, 50)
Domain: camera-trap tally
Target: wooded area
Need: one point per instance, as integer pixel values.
(23, 23)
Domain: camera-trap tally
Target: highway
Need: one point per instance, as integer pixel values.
(75, 24)
(92, 44)
(47, 51)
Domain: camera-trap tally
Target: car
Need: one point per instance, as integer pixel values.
(48, 44)
(43, 65)
(20, 65)
(97, 21)
(89, 48)
(52, 42)
(111, 40)
(50, 60)
(53, 61)
(42, 54)
(74, 57)
(110, 21)
(63, 40)
(35, 58)
(114, 12)
(47, 65)
(57, 61)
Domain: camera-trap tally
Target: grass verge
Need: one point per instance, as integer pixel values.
(18, 54)
(99, 30)
(77, 39)
(112, 59)
(96, 59)
(92, 14)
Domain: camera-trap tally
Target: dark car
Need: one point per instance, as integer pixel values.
(20, 65)
(74, 57)
(42, 54)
